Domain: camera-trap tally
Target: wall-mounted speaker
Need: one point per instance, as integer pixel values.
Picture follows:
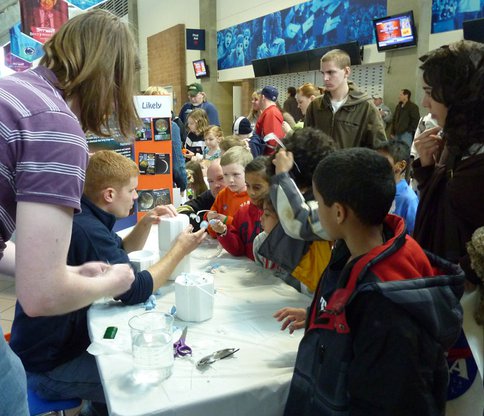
(303, 61)
(474, 30)
(261, 67)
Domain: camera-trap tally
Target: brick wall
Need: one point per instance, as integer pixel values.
(167, 62)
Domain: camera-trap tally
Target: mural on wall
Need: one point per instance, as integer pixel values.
(449, 14)
(309, 25)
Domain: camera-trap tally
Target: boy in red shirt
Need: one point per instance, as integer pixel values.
(238, 238)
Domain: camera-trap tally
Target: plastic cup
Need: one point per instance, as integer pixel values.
(152, 346)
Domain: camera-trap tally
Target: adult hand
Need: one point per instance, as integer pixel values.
(429, 146)
(294, 318)
(283, 161)
(122, 274)
(166, 211)
(286, 128)
(189, 241)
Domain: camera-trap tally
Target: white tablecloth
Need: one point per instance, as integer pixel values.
(255, 381)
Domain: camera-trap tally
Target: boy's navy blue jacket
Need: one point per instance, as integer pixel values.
(377, 331)
(43, 343)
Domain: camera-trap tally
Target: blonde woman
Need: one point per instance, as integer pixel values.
(255, 110)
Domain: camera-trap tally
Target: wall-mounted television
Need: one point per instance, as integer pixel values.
(394, 32)
(200, 68)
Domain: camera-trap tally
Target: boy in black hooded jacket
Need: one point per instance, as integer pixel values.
(384, 313)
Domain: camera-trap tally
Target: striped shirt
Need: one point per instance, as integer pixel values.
(43, 150)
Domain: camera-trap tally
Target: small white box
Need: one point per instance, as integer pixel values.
(194, 297)
(169, 229)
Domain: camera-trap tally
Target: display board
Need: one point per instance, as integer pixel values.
(153, 152)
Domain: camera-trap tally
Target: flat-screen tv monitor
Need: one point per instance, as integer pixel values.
(394, 32)
(474, 30)
(200, 68)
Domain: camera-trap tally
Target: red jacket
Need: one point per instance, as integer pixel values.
(240, 235)
(270, 121)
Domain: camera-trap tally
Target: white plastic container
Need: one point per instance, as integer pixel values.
(169, 229)
(194, 297)
(142, 259)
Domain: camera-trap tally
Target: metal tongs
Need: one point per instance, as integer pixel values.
(217, 355)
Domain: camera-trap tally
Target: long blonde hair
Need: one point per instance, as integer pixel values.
(95, 60)
(199, 116)
(254, 115)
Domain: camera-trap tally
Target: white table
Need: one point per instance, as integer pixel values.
(255, 381)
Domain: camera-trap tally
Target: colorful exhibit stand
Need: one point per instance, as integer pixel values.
(153, 152)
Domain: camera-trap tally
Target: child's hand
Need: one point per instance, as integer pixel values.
(214, 215)
(283, 161)
(294, 318)
(188, 154)
(218, 226)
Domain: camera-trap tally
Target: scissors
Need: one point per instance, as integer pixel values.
(180, 348)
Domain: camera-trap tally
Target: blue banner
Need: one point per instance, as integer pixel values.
(306, 26)
(449, 15)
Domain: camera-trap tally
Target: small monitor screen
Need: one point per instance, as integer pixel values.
(394, 32)
(200, 68)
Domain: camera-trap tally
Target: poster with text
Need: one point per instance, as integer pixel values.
(42, 18)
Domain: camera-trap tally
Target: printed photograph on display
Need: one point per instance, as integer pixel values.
(144, 133)
(150, 198)
(306, 26)
(162, 129)
(146, 163)
(42, 18)
(451, 14)
(162, 163)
